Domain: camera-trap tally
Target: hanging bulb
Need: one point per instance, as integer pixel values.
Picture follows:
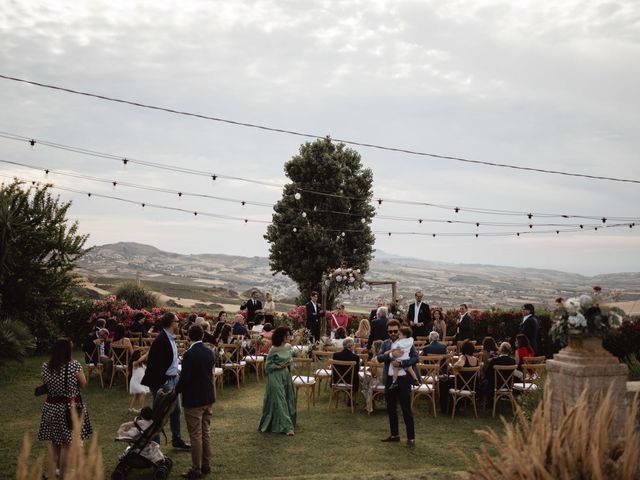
(243, 203)
(195, 214)
(214, 177)
(32, 142)
(434, 235)
(581, 226)
(456, 209)
(89, 195)
(419, 220)
(143, 205)
(389, 233)
(304, 214)
(530, 216)
(558, 232)
(246, 221)
(530, 226)
(477, 224)
(46, 173)
(343, 234)
(596, 229)
(297, 196)
(476, 235)
(517, 234)
(125, 161)
(379, 202)
(179, 195)
(114, 184)
(363, 221)
(295, 229)
(604, 220)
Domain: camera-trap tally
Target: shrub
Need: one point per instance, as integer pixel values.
(136, 296)
(633, 362)
(16, 341)
(583, 446)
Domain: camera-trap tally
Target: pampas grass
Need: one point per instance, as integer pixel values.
(583, 446)
(80, 466)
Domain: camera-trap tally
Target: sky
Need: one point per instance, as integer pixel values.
(544, 84)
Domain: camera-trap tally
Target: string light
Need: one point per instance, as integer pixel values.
(310, 135)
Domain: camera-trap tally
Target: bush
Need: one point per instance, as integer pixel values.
(633, 362)
(625, 341)
(136, 296)
(16, 341)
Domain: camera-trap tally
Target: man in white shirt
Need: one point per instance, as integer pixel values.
(418, 316)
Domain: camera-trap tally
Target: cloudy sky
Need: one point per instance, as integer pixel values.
(545, 84)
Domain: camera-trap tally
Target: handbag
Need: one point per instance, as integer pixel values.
(41, 390)
(77, 407)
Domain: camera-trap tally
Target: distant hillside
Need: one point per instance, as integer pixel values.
(444, 284)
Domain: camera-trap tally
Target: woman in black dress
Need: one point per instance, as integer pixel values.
(64, 378)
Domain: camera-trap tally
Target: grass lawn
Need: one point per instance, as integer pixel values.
(329, 443)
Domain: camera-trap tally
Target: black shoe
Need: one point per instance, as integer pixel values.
(192, 473)
(392, 438)
(416, 383)
(393, 385)
(181, 445)
(205, 470)
(411, 444)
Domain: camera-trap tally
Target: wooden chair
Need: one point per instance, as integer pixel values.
(146, 341)
(428, 384)
(323, 369)
(464, 386)
(448, 339)
(532, 376)
(419, 344)
(231, 362)
(120, 357)
(93, 363)
(377, 385)
(477, 348)
(530, 360)
(136, 338)
(503, 376)
(451, 349)
(343, 375)
(422, 338)
(251, 357)
(302, 378)
(218, 371)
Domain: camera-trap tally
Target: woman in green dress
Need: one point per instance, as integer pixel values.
(279, 407)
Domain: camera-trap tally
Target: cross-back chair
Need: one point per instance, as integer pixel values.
(323, 370)
(92, 361)
(343, 376)
(503, 376)
(120, 357)
(532, 374)
(302, 378)
(464, 387)
(428, 384)
(231, 362)
(252, 358)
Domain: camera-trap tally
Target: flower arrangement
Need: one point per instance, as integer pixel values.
(298, 315)
(584, 315)
(301, 336)
(342, 279)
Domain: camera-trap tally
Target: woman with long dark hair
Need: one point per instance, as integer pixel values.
(279, 406)
(63, 378)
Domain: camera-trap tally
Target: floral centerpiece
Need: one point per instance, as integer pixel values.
(584, 315)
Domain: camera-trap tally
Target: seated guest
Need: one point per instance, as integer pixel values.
(523, 350)
(206, 330)
(225, 334)
(341, 334)
(120, 341)
(467, 359)
(347, 355)
(363, 332)
(489, 349)
(104, 352)
(138, 324)
(503, 358)
(266, 334)
(378, 327)
(89, 344)
(435, 347)
(188, 322)
(239, 327)
(339, 319)
(218, 329)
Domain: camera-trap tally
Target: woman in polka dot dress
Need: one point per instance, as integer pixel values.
(64, 378)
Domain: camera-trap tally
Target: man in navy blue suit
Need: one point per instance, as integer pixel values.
(198, 394)
(403, 391)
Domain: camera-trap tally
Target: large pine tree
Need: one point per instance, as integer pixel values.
(312, 232)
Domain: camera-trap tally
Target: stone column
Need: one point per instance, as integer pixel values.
(584, 363)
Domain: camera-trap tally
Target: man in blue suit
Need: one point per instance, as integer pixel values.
(403, 391)
(198, 394)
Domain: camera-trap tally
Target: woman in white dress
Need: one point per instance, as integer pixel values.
(137, 391)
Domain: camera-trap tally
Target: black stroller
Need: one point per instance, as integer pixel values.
(132, 457)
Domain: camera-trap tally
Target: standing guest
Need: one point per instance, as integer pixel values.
(418, 315)
(138, 392)
(374, 312)
(239, 328)
(138, 326)
(403, 392)
(363, 332)
(253, 307)
(63, 378)
(162, 372)
(435, 347)
(378, 327)
(439, 325)
(530, 326)
(279, 406)
(523, 350)
(339, 319)
(313, 316)
(198, 394)
(347, 355)
(268, 308)
(464, 329)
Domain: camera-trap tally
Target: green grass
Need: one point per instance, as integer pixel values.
(329, 443)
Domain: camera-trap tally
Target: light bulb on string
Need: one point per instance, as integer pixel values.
(246, 221)
(179, 195)
(32, 142)
(297, 196)
(114, 184)
(295, 229)
(304, 214)
(363, 220)
(46, 173)
(343, 234)
(243, 203)
(124, 162)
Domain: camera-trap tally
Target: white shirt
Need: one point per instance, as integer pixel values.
(525, 318)
(315, 309)
(416, 312)
(173, 370)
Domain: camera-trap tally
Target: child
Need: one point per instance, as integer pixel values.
(132, 430)
(400, 351)
(136, 389)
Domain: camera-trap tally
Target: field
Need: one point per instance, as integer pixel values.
(329, 442)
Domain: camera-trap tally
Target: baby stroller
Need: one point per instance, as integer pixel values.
(134, 455)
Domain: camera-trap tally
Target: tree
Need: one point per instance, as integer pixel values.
(38, 250)
(137, 296)
(312, 232)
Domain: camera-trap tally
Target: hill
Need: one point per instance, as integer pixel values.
(226, 278)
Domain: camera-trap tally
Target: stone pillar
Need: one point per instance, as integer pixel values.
(584, 363)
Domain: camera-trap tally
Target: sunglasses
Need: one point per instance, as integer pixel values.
(392, 331)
